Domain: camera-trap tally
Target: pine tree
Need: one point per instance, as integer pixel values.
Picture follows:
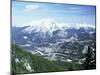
(90, 61)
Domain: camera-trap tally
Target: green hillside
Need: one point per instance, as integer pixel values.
(25, 62)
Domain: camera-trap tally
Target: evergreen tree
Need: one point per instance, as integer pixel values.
(90, 61)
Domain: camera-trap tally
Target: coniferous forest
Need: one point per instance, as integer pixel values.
(26, 62)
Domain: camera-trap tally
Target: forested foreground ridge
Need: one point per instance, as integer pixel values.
(26, 62)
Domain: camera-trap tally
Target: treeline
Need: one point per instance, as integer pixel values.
(39, 64)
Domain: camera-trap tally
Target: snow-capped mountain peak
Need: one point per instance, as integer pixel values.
(50, 25)
(45, 25)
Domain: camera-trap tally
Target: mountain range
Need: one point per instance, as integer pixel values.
(53, 40)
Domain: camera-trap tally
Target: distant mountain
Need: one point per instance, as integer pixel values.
(55, 41)
(48, 31)
(48, 26)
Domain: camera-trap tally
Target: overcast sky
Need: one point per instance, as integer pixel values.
(26, 12)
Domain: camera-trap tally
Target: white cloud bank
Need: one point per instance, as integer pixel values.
(31, 8)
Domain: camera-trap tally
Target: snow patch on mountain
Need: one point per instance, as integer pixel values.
(17, 60)
(43, 25)
(51, 25)
(26, 45)
(27, 65)
(25, 37)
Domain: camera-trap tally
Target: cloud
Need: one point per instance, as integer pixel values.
(31, 8)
